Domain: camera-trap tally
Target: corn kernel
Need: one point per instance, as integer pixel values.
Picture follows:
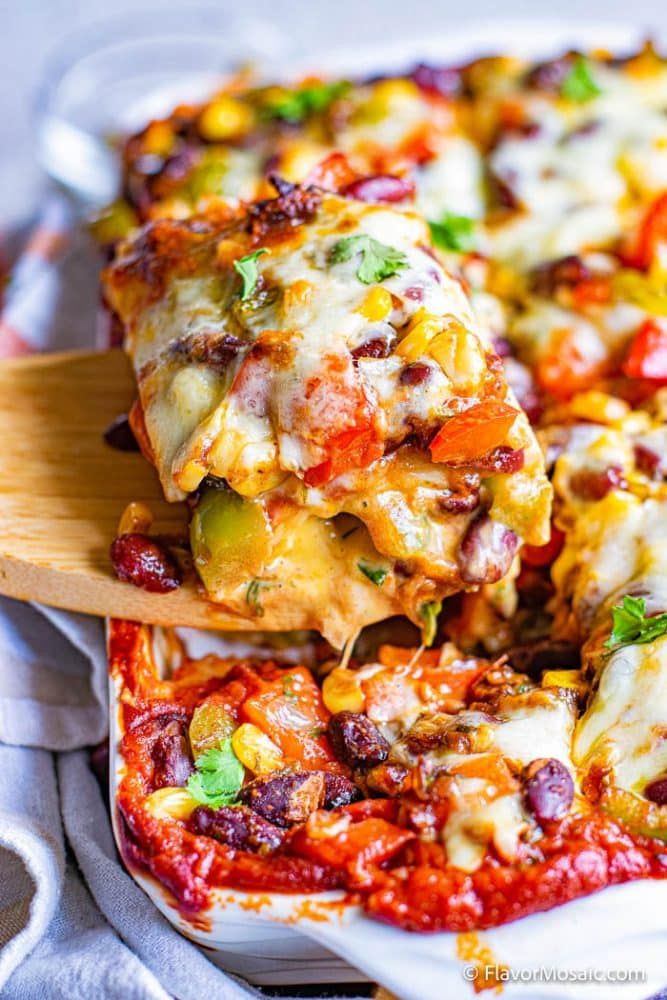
(298, 160)
(571, 679)
(460, 355)
(158, 139)
(422, 329)
(256, 750)
(135, 519)
(377, 305)
(599, 407)
(342, 692)
(387, 94)
(224, 118)
(171, 803)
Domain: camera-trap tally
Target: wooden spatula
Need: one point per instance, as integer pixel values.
(63, 489)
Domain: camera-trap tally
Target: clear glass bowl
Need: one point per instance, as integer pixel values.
(112, 78)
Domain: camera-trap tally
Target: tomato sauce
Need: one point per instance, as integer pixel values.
(373, 853)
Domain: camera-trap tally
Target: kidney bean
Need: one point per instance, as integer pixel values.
(594, 485)
(459, 503)
(415, 293)
(656, 791)
(550, 75)
(415, 374)
(119, 435)
(444, 80)
(287, 797)
(648, 461)
(487, 550)
(355, 740)
(384, 188)
(238, 827)
(544, 654)
(339, 791)
(548, 789)
(172, 765)
(213, 348)
(378, 347)
(142, 561)
(566, 271)
(388, 780)
(502, 459)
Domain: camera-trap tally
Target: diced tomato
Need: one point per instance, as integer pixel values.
(544, 555)
(333, 173)
(370, 842)
(474, 432)
(290, 710)
(492, 770)
(647, 357)
(652, 232)
(352, 449)
(565, 369)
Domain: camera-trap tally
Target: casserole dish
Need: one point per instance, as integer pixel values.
(555, 936)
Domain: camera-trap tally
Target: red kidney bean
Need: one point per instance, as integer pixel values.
(566, 271)
(459, 503)
(502, 459)
(444, 80)
(594, 485)
(487, 550)
(415, 293)
(287, 797)
(339, 791)
(383, 188)
(548, 789)
(550, 75)
(142, 561)
(355, 740)
(648, 461)
(415, 374)
(378, 347)
(171, 755)
(656, 791)
(119, 435)
(238, 827)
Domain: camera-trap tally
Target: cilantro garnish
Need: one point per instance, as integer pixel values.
(296, 105)
(247, 268)
(429, 615)
(453, 232)
(579, 85)
(218, 776)
(376, 574)
(378, 261)
(630, 626)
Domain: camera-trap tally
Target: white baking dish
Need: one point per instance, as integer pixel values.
(564, 954)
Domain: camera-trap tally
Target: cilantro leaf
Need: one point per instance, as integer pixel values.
(453, 232)
(253, 596)
(247, 268)
(376, 574)
(297, 105)
(579, 85)
(218, 776)
(429, 615)
(630, 625)
(378, 261)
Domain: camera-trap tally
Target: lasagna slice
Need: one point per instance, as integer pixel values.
(320, 389)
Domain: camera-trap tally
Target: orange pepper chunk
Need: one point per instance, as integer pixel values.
(290, 710)
(474, 432)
